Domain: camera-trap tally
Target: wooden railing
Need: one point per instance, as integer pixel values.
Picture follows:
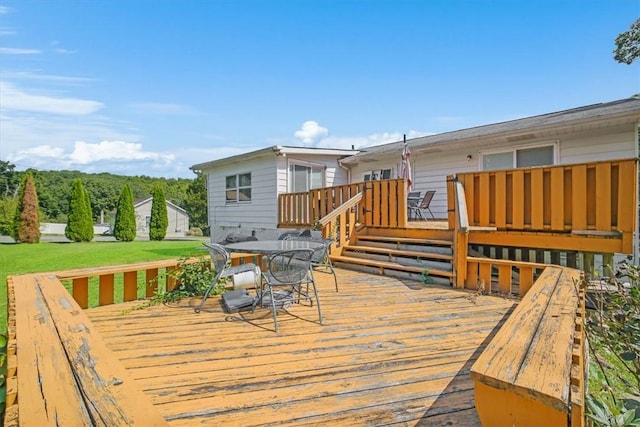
(32, 331)
(596, 198)
(63, 372)
(384, 204)
(304, 209)
(46, 328)
(533, 370)
(459, 222)
(340, 224)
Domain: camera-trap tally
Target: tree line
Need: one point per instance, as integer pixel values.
(103, 190)
(25, 227)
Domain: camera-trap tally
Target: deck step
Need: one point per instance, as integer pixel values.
(389, 265)
(405, 240)
(399, 252)
(413, 258)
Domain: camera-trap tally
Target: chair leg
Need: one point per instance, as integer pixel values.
(335, 276)
(206, 295)
(315, 293)
(274, 309)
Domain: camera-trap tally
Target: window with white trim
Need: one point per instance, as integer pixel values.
(305, 177)
(376, 175)
(523, 157)
(238, 188)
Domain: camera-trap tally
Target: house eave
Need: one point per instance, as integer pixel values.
(591, 117)
(273, 151)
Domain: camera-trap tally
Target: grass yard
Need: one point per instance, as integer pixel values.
(18, 259)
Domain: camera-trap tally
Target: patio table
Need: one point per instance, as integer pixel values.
(268, 247)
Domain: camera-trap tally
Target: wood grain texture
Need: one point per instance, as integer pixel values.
(388, 353)
(66, 375)
(531, 356)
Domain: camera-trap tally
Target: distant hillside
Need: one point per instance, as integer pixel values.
(104, 189)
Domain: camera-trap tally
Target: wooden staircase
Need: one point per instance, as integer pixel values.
(414, 257)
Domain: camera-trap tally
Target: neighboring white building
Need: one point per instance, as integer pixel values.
(243, 189)
(178, 218)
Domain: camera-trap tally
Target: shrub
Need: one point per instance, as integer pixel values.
(613, 330)
(79, 221)
(192, 278)
(124, 228)
(195, 231)
(26, 223)
(159, 219)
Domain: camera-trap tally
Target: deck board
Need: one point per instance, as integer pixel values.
(389, 353)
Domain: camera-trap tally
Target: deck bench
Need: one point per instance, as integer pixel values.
(527, 375)
(65, 374)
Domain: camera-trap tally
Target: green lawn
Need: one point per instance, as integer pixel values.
(41, 257)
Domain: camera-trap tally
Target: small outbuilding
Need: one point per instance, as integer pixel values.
(178, 218)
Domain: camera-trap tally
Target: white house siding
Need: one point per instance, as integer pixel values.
(243, 218)
(269, 177)
(602, 145)
(430, 170)
(429, 173)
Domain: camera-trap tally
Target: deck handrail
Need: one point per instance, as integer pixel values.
(62, 372)
(585, 198)
(333, 215)
(384, 204)
(533, 370)
(458, 221)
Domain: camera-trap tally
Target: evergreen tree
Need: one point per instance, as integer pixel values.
(80, 221)
(26, 223)
(195, 203)
(8, 208)
(159, 219)
(124, 228)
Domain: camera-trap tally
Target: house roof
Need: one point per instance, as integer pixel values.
(140, 202)
(626, 110)
(276, 150)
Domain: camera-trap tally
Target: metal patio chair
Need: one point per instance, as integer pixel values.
(320, 260)
(220, 261)
(287, 271)
(424, 205)
(413, 198)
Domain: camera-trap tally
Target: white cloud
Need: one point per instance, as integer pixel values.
(84, 152)
(43, 151)
(12, 98)
(19, 51)
(27, 75)
(112, 156)
(311, 132)
(358, 142)
(162, 108)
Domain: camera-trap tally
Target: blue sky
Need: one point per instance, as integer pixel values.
(154, 87)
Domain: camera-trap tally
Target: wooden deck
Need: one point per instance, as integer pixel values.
(389, 353)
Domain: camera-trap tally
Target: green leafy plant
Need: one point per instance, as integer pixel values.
(192, 278)
(159, 220)
(425, 276)
(611, 413)
(3, 375)
(125, 224)
(613, 330)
